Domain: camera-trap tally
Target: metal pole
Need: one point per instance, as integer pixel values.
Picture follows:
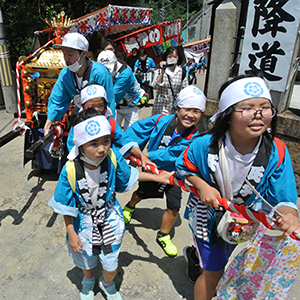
(8, 88)
(187, 15)
(201, 21)
(162, 14)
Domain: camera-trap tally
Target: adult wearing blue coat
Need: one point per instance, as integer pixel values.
(129, 95)
(76, 75)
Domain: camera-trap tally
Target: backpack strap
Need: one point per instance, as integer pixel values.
(281, 150)
(113, 158)
(159, 118)
(71, 172)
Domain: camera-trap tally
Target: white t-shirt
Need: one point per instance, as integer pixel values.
(93, 177)
(239, 165)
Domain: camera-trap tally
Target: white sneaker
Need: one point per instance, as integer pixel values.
(87, 291)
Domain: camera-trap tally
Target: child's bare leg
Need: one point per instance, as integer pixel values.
(108, 276)
(168, 220)
(88, 273)
(135, 199)
(88, 282)
(108, 286)
(163, 238)
(130, 206)
(205, 286)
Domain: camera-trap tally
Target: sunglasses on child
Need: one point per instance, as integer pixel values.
(250, 113)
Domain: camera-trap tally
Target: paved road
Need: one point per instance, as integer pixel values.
(34, 260)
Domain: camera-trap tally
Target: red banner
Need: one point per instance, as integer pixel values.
(150, 36)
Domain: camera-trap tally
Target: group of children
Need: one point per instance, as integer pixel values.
(242, 140)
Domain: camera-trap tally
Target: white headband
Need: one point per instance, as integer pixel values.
(242, 89)
(91, 92)
(191, 97)
(87, 131)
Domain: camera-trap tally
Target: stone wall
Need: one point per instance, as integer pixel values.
(288, 130)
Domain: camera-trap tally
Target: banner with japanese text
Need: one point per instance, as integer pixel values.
(269, 41)
(166, 33)
(112, 19)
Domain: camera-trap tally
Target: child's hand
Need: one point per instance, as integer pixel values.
(146, 161)
(75, 242)
(209, 196)
(164, 177)
(289, 223)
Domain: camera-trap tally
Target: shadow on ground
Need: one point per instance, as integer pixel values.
(46, 175)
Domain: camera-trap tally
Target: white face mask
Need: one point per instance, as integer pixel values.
(143, 57)
(86, 159)
(171, 61)
(76, 66)
(134, 54)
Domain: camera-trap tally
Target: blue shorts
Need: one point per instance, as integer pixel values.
(213, 257)
(109, 261)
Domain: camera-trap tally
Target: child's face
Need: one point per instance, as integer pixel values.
(97, 149)
(97, 103)
(247, 129)
(173, 55)
(187, 117)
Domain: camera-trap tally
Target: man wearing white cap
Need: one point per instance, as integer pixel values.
(129, 95)
(77, 74)
(167, 137)
(85, 196)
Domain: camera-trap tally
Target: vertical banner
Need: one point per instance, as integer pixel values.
(269, 41)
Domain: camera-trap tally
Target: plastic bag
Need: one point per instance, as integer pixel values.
(265, 269)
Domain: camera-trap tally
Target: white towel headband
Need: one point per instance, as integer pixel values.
(87, 131)
(242, 89)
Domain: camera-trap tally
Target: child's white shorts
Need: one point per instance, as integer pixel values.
(109, 261)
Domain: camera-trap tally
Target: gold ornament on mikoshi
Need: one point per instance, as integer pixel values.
(62, 22)
(22, 58)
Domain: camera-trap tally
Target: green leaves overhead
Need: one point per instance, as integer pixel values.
(24, 17)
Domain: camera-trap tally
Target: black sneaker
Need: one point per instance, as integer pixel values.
(194, 270)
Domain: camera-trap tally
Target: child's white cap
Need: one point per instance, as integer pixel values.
(75, 40)
(191, 97)
(92, 91)
(108, 59)
(87, 131)
(242, 89)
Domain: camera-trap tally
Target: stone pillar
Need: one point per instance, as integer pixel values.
(221, 48)
(282, 100)
(7, 79)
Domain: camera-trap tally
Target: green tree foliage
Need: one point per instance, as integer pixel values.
(24, 17)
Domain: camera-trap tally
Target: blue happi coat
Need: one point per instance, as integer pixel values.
(277, 185)
(120, 179)
(151, 131)
(64, 90)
